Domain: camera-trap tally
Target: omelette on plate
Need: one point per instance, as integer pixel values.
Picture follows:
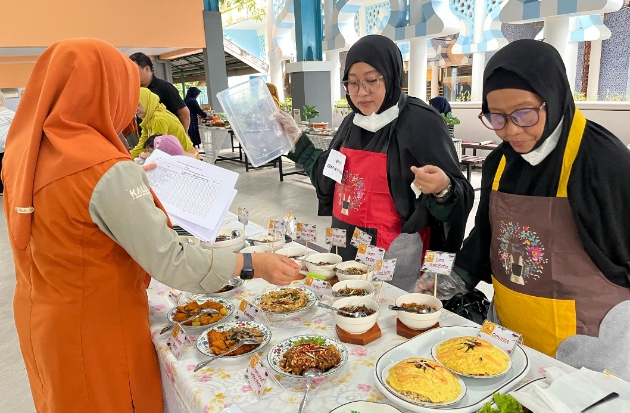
(424, 380)
(472, 356)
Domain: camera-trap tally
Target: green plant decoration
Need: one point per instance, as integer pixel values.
(309, 112)
(450, 120)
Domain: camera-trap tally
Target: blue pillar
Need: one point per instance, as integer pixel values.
(308, 29)
(211, 5)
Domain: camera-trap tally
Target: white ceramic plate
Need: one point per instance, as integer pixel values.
(434, 355)
(478, 391)
(461, 395)
(275, 354)
(312, 299)
(204, 347)
(365, 407)
(226, 303)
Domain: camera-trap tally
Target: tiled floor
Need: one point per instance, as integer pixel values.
(260, 191)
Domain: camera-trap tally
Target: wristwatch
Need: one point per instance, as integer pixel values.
(247, 273)
(445, 192)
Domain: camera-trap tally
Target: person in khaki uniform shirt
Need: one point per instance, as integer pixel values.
(82, 260)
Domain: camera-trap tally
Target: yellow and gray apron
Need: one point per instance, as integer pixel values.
(546, 286)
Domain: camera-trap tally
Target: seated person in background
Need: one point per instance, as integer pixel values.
(165, 143)
(156, 120)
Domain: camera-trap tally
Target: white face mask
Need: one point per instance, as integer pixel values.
(375, 121)
(538, 155)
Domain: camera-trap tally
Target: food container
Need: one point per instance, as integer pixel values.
(419, 321)
(249, 107)
(327, 271)
(359, 284)
(342, 276)
(355, 325)
(257, 249)
(299, 252)
(321, 125)
(269, 241)
(231, 245)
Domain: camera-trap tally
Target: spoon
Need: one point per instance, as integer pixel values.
(235, 233)
(241, 343)
(203, 311)
(190, 241)
(342, 312)
(427, 310)
(309, 375)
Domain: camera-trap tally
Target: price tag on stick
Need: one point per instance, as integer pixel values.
(243, 216)
(336, 237)
(306, 232)
(438, 262)
(369, 254)
(257, 375)
(174, 295)
(384, 270)
(360, 237)
(177, 341)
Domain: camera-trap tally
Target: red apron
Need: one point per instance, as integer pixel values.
(363, 199)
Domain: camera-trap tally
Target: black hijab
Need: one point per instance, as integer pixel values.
(441, 105)
(418, 137)
(192, 93)
(598, 198)
(382, 54)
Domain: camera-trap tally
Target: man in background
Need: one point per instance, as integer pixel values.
(169, 96)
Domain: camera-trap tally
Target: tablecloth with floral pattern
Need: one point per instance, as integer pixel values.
(222, 383)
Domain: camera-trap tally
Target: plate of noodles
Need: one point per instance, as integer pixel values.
(293, 356)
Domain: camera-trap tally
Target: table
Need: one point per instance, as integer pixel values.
(216, 387)
(320, 142)
(476, 146)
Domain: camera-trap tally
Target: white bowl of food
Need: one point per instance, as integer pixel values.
(257, 249)
(418, 301)
(274, 243)
(323, 264)
(356, 325)
(228, 239)
(353, 270)
(354, 288)
(297, 254)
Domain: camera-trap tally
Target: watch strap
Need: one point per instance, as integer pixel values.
(248, 269)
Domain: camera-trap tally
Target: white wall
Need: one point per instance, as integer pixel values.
(614, 116)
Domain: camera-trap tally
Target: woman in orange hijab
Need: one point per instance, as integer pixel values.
(81, 257)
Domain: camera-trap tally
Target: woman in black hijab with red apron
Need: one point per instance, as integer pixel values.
(553, 212)
(387, 135)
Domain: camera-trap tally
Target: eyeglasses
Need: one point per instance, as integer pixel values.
(522, 117)
(369, 85)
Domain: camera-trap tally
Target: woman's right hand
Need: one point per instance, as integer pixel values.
(275, 268)
(289, 127)
(144, 155)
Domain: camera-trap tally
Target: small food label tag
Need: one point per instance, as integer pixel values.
(319, 287)
(500, 336)
(336, 237)
(359, 237)
(297, 116)
(177, 341)
(276, 227)
(369, 254)
(247, 311)
(306, 232)
(438, 262)
(257, 375)
(334, 165)
(174, 295)
(384, 270)
(243, 216)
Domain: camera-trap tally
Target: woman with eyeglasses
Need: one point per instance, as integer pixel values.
(401, 180)
(552, 231)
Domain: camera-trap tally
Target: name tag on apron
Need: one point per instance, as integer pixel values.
(334, 165)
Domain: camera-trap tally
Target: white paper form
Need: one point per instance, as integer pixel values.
(204, 234)
(192, 192)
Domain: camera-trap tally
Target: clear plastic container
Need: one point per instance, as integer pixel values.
(249, 108)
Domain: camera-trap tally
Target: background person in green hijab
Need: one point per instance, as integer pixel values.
(156, 120)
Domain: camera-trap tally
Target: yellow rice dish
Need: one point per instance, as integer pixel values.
(472, 356)
(424, 380)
